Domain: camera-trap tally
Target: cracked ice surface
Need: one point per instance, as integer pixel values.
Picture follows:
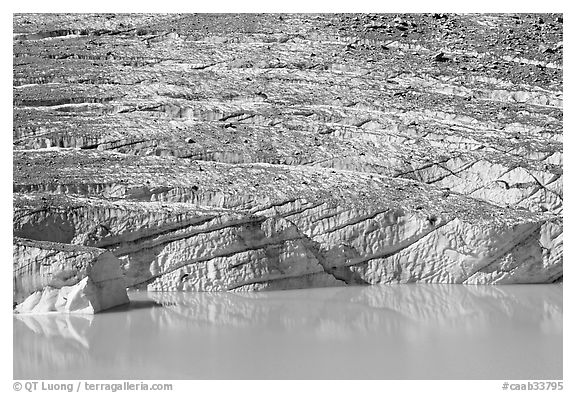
(212, 153)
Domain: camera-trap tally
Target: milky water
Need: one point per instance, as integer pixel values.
(379, 332)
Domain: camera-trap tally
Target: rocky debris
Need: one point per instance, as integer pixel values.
(441, 57)
(214, 152)
(57, 277)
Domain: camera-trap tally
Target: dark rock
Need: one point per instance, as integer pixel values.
(440, 57)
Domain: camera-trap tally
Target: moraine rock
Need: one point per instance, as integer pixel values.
(56, 277)
(226, 152)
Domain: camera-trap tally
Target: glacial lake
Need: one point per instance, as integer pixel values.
(381, 332)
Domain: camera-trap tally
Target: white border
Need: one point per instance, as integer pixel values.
(290, 6)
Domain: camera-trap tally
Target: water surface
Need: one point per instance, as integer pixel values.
(378, 332)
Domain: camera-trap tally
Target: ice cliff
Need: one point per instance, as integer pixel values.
(56, 277)
(250, 152)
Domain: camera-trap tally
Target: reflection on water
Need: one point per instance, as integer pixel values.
(379, 332)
